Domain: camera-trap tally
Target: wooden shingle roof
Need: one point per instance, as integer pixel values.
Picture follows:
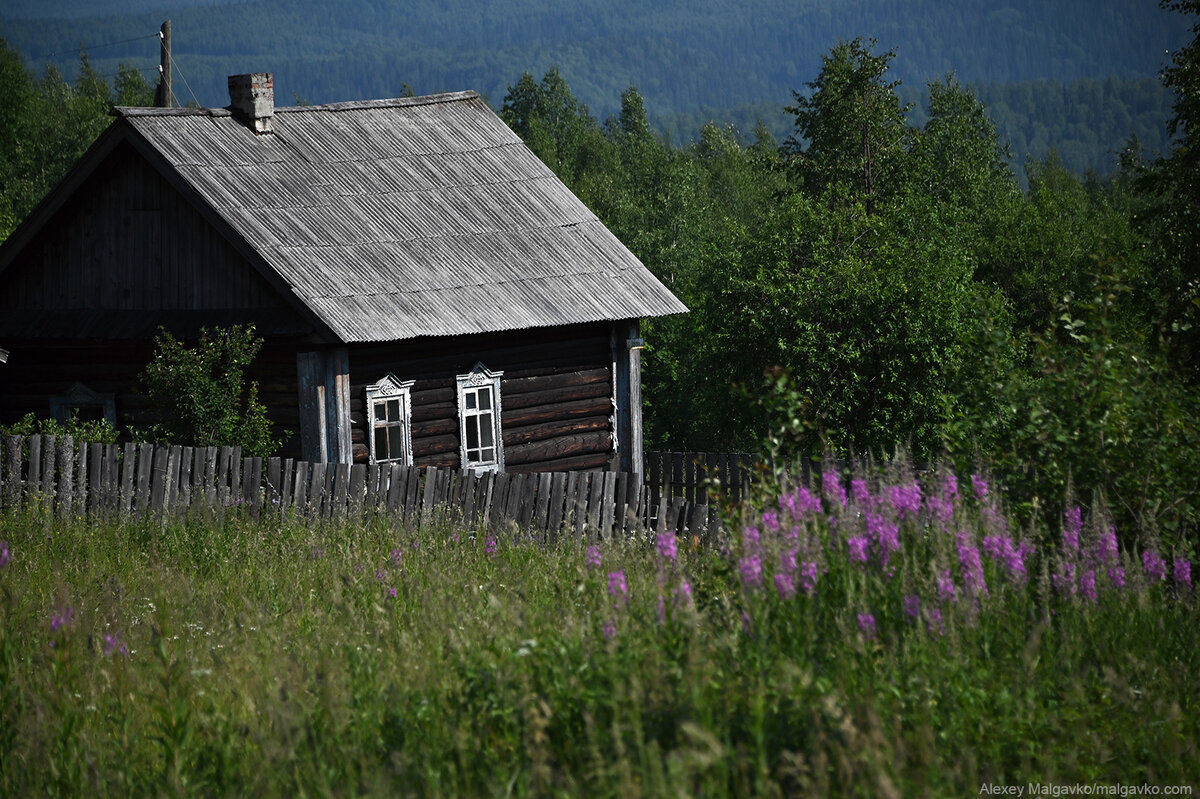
(393, 219)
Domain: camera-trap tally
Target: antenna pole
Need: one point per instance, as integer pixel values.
(163, 96)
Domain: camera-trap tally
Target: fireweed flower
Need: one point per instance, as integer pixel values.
(1116, 577)
(859, 492)
(947, 592)
(396, 556)
(1182, 572)
(380, 575)
(1072, 527)
(683, 594)
(1155, 566)
(750, 540)
(866, 623)
(114, 643)
(1106, 546)
(941, 509)
(905, 500)
(972, 566)
(980, 486)
(886, 535)
(392, 593)
(1087, 585)
(751, 570)
(832, 488)
(787, 561)
(1064, 580)
(610, 629)
(785, 585)
(666, 547)
(912, 607)
(950, 487)
(616, 585)
(592, 558)
(935, 621)
(808, 577)
(800, 502)
(490, 546)
(858, 548)
(770, 521)
(63, 617)
(5, 555)
(1000, 548)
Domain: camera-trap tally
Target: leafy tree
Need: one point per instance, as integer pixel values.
(200, 393)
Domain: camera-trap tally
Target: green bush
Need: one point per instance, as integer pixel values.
(98, 431)
(201, 396)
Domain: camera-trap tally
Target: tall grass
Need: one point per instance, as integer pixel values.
(880, 637)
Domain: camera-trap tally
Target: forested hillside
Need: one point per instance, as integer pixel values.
(713, 59)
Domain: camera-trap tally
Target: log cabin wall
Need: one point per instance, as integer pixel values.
(556, 395)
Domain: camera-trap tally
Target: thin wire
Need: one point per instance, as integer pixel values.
(89, 48)
(135, 69)
(175, 66)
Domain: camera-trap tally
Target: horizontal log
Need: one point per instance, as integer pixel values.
(558, 448)
(438, 459)
(575, 463)
(524, 385)
(523, 435)
(556, 395)
(595, 406)
(434, 444)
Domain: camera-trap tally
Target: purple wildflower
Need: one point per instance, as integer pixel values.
(1182, 572)
(316, 553)
(63, 617)
(1064, 580)
(750, 540)
(808, 577)
(950, 487)
(610, 629)
(866, 623)
(912, 606)
(1000, 548)
(980, 485)
(1155, 566)
(1116, 577)
(935, 621)
(113, 643)
(832, 488)
(770, 521)
(947, 592)
(616, 584)
(666, 547)
(859, 492)
(1072, 527)
(683, 594)
(905, 500)
(787, 561)
(1106, 546)
(858, 548)
(751, 569)
(941, 509)
(886, 535)
(392, 593)
(592, 559)
(380, 575)
(396, 556)
(5, 555)
(1087, 585)
(490, 546)
(785, 585)
(800, 502)
(972, 566)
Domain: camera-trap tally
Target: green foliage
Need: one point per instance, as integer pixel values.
(200, 394)
(98, 431)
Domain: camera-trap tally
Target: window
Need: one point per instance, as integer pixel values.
(479, 419)
(389, 409)
(81, 403)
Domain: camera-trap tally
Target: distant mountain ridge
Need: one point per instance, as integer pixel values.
(687, 58)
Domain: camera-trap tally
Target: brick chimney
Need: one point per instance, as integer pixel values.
(252, 99)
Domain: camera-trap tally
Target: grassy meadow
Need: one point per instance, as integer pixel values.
(878, 636)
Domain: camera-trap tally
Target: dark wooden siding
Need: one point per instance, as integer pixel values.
(556, 394)
(37, 370)
(128, 241)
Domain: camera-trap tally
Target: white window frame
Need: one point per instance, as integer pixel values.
(390, 389)
(78, 397)
(469, 386)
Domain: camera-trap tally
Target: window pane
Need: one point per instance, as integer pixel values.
(395, 444)
(393, 410)
(469, 399)
(380, 443)
(485, 398)
(472, 426)
(380, 411)
(487, 454)
(485, 429)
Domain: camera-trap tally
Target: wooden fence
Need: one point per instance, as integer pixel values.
(117, 481)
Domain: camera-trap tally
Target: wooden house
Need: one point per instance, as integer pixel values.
(427, 290)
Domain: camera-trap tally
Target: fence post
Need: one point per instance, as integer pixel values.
(12, 471)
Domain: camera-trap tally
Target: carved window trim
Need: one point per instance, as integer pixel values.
(389, 420)
(481, 446)
(77, 397)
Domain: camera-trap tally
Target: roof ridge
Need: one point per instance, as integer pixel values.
(349, 105)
